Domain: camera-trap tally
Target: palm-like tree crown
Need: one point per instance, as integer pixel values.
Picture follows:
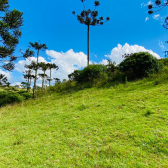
(38, 46)
(89, 17)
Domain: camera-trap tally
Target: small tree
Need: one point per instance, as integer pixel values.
(33, 66)
(50, 67)
(57, 80)
(43, 66)
(111, 66)
(25, 85)
(37, 46)
(28, 76)
(10, 23)
(3, 79)
(89, 18)
(43, 77)
(139, 64)
(8, 84)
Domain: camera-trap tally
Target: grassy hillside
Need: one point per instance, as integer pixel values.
(121, 126)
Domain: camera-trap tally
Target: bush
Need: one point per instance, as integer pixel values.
(139, 65)
(26, 95)
(12, 97)
(9, 97)
(164, 61)
(88, 74)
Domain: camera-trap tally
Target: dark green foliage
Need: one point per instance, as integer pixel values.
(9, 97)
(13, 97)
(139, 65)
(25, 95)
(67, 86)
(10, 23)
(76, 76)
(3, 79)
(93, 72)
(164, 61)
(88, 74)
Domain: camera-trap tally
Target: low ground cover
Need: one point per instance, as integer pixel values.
(119, 126)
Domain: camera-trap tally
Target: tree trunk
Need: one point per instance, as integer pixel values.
(50, 77)
(28, 85)
(88, 45)
(44, 81)
(35, 95)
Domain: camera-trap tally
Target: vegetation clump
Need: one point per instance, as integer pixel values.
(138, 65)
(13, 97)
(88, 74)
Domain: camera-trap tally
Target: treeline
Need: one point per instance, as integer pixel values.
(134, 67)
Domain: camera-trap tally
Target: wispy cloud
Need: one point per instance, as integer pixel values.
(146, 19)
(161, 45)
(146, 4)
(156, 17)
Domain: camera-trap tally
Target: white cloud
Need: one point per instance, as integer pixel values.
(117, 52)
(20, 65)
(67, 62)
(70, 60)
(104, 62)
(146, 19)
(16, 83)
(156, 17)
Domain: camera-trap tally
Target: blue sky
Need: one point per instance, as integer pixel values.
(130, 29)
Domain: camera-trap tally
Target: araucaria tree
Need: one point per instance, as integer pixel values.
(90, 18)
(159, 6)
(37, 46)
(43, 66)
(50, 67)
(33, 66)
(10, 23)
(28, 75)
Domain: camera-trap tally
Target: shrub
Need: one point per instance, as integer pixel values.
(88, 74)
(12, 97)
(76, 76)
(26, 95)
(164, 61)
(9, 97)
(139, 65)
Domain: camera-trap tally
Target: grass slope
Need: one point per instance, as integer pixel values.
(122, 126)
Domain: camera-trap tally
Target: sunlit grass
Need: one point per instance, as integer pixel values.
(120, 126)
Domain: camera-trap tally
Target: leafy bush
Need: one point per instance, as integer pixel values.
(12, 97)
(164, 61)
(26, 95)
(140, 64)
(88, 74)
(76, 76)
(9, 97)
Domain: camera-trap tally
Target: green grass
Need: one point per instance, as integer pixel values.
(124, 126)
